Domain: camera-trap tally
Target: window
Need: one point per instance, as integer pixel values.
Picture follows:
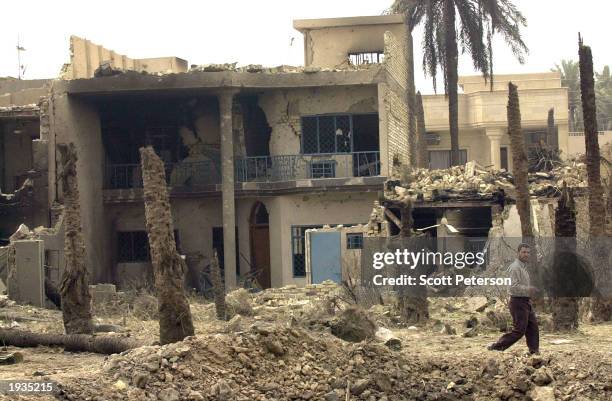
(440, 159)
(298, 249)
(504, 158)
(133, 246)
(354, 241)
(359, 58)
(323, 169)
(327, 134)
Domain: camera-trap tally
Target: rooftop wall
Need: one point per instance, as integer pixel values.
(86, 57)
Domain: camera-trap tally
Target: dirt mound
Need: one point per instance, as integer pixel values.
(354, 325)
(260, 364)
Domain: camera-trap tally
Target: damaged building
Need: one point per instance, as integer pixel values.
(254, 156)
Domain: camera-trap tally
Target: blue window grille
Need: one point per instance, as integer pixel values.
(327, 134)
(323, 169)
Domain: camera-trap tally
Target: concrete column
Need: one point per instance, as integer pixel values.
(494, 135)
(227, 187)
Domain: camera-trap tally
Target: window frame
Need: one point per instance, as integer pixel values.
(318, 134)
(350, 237)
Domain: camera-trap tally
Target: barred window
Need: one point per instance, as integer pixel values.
(367, 57)
(323, 169)
(327, 134)
(133, 246)
(354, 241)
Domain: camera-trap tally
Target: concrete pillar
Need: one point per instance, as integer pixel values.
(227, 187)
(494, 135)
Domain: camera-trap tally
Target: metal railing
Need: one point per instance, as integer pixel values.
(181, 174)
(252, 169)
(295, 167)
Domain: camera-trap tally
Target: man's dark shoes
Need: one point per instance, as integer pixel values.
(493, 347)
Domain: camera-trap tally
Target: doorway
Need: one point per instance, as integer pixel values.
(260, 243)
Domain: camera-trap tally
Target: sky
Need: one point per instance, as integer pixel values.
(261, 32)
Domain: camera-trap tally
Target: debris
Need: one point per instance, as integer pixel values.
(387, 337)
(238, 302)
(560, 341)
(11, 358)
(354, 325)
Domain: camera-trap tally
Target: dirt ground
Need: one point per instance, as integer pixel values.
(285, 351)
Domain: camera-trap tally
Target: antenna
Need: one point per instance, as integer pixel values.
(20, 67)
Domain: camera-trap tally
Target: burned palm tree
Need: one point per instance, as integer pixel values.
(74, 285)
(564, 307)
(422, 159)
(169, 268)
(218, 287)
(519, 161)
(413, 306)
(602, 308)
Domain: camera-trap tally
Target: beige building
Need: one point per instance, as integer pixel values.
(483, 120)
(256, 156)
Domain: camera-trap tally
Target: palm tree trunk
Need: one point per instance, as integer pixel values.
(73, 342)
(74, 285)
(169, 268)
(589, 111)
(218, 287)
(602, 307)
(451, 75)
(412, 302)
(519, 160)
(422, 159)
(565, 309)
(410, 94)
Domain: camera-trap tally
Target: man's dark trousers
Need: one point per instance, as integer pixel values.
(524, 322)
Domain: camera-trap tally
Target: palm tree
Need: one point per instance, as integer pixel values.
(564, 308)
(519, 160)
(175, 322)
(570, 78)
(449, 23)
(74, 286)
(602, 308)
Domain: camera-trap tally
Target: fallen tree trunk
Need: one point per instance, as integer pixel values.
(70, 342)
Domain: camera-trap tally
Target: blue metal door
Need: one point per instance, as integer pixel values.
(325, 257)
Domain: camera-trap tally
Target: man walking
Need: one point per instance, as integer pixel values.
(524, 320)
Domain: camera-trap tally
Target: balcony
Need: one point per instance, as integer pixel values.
(299, 167)
(205, 175)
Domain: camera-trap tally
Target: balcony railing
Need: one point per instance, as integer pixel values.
(296, 167)
(181, 174)
(253, 169)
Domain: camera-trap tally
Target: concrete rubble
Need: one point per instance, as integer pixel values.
(473, 182)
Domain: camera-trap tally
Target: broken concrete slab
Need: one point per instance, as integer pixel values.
(27, 280)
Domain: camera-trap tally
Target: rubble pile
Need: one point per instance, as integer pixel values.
(281, 69)
(473, 182)
(273, 362)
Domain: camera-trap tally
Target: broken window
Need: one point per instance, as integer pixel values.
(298, 249)
(354, 241)
(132, 246)
(441, 159)
(359, 58)
(340, 133)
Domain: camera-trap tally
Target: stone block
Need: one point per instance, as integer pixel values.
(29, 275)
